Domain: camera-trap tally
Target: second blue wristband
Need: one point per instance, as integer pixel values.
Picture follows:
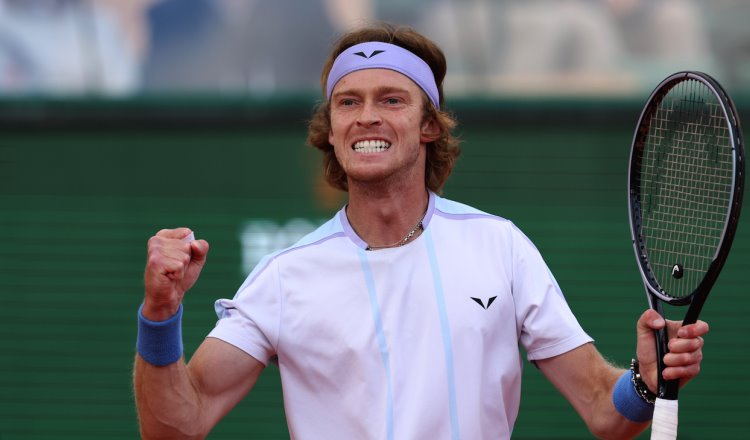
(628, 402)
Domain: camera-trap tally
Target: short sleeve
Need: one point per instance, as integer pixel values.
(250, 321)
(547, 325)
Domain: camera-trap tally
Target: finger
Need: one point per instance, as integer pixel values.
(168, 262)
(649, 321)
(684, 373)
(695, 330)
(177, 233)
(199, 250)
(679, 345)
(161, 250)
(168, 248)
(683, 352)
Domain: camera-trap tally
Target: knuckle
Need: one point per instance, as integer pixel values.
(153, 260)
(698, 356)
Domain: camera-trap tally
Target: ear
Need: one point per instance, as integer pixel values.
(330, 137)
(430, 131)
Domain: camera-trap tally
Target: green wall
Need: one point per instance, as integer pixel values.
(83, 184)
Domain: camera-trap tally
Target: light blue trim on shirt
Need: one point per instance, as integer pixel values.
(445, 329)
(384, 354)
(449, 207)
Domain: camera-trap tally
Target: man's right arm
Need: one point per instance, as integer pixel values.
(176, 400)
(180, 401)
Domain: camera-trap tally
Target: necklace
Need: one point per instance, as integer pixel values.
(404, 240)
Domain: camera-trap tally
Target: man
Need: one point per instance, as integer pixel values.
(370, 318)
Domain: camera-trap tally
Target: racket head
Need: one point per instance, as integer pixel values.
(685, 186)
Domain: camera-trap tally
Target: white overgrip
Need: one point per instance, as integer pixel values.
(664, 424)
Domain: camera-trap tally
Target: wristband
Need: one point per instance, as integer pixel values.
(160, 342)
(629, 402)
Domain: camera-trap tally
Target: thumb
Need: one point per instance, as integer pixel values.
(649, 321)
(198, 255)
(198, 252)
(646, 353)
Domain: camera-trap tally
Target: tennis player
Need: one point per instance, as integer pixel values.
(401, 317)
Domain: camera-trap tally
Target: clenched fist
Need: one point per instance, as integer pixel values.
(173, 265)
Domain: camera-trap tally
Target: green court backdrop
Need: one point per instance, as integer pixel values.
(84, 183)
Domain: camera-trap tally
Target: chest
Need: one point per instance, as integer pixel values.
(403, 301)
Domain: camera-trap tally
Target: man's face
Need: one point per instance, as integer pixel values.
(377, 129)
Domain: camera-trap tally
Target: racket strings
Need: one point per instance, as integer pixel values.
(686, 181)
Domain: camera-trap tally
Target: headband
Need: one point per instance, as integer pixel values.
(378, 55)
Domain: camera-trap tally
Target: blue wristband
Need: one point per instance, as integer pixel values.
(628, 402)
(160, 342)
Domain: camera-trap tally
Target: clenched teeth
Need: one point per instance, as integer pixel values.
(371, 146)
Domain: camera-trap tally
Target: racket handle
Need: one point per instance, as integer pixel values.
(664, 424)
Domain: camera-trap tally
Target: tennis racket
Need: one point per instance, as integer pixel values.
(685, 193)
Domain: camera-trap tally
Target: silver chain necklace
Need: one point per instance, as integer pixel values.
(404, 240)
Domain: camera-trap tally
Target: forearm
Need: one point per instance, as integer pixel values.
(587, 381)
(167, 402)
(598, 410)
(602, 417)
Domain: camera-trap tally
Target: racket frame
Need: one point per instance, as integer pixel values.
(656, 296)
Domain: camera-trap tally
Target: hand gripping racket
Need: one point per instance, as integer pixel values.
(685, 193)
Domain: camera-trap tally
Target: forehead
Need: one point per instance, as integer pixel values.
(366, 79)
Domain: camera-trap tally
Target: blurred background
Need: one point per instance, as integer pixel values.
(256, 47)
(119, 118)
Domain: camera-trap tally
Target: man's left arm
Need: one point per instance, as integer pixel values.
(588, 381)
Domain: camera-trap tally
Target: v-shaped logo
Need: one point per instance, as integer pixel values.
(481, 303)
(374, 52)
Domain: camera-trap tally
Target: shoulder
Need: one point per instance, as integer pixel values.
(459, 215)
(449, 207)
(317, 241)
(452, 210)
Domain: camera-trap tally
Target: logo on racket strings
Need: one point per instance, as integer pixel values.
(677, 271)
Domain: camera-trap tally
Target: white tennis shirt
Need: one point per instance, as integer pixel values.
(414, 342)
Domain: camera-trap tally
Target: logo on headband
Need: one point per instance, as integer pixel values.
(374, 52)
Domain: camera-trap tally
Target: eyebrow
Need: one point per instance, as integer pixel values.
(378, 91)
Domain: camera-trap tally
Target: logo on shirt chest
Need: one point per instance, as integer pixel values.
(482, 304)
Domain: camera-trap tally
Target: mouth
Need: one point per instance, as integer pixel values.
(371, 146)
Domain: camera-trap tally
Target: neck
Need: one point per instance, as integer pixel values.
(387, 219)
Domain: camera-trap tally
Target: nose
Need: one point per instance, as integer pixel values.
(369, 115)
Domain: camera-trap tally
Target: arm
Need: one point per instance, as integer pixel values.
(180, 401)
(177, 400)
(587, 380)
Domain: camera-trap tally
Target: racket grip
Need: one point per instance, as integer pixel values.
(664, 424)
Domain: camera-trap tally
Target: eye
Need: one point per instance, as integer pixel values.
(346, 102)
(393, 100)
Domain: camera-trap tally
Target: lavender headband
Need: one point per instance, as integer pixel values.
(377, 55)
